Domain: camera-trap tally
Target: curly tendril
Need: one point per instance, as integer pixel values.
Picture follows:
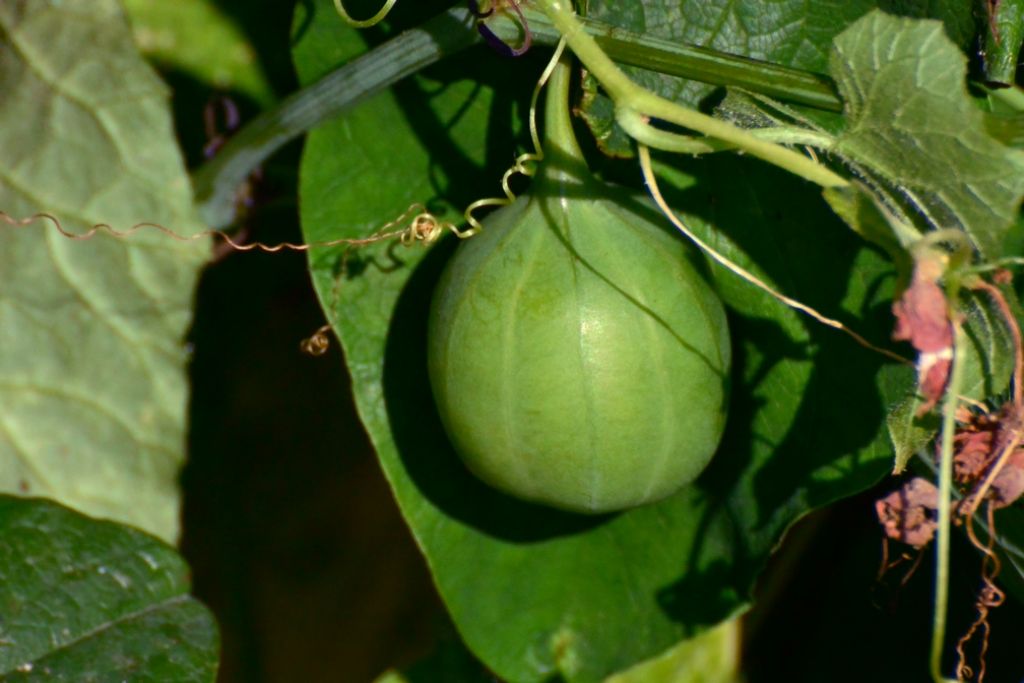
(364, 23)
(423, 228)
(525, 164)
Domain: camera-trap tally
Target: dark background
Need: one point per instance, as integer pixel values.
(296, 542)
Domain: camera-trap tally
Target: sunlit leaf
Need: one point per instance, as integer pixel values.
(911, 123)
(92, 357)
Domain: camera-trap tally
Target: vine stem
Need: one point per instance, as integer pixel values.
(656, 138)
(949, 407)
(634, 105)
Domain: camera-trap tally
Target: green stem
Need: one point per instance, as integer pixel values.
(643, 132)
(217, 181)
(945, 497)
(688, 61)
(1002, 41)
(639, 129)
(632, 101)
(559, 137)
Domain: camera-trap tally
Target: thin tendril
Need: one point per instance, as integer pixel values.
(525, 164)
(424, 227)
(652, 186)
(990, 596)
(527, 34)
(364, 23)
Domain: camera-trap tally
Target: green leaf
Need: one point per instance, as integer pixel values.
(534, 592)
(909, 433)
(711, 657)
(1005, 120)
(801, 447)
(196, 38)
(911, 123)
(92, 360)
(85, 600)
(988, 361)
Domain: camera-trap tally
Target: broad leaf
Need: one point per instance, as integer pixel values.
(911, 123)
(85, 600)
(92, 360)
(534, 592)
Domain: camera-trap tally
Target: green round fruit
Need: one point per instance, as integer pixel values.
(577, 353)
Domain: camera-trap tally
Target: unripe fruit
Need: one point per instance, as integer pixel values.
(578, 355)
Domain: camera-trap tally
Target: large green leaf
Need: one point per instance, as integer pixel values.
(911, 123)
(92, 356)
(536, 592)
(84, 600)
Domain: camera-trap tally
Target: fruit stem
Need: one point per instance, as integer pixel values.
(562, 154)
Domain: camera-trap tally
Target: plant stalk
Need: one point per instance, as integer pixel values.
(560, 146)
(942, 544)
(1002, 41)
